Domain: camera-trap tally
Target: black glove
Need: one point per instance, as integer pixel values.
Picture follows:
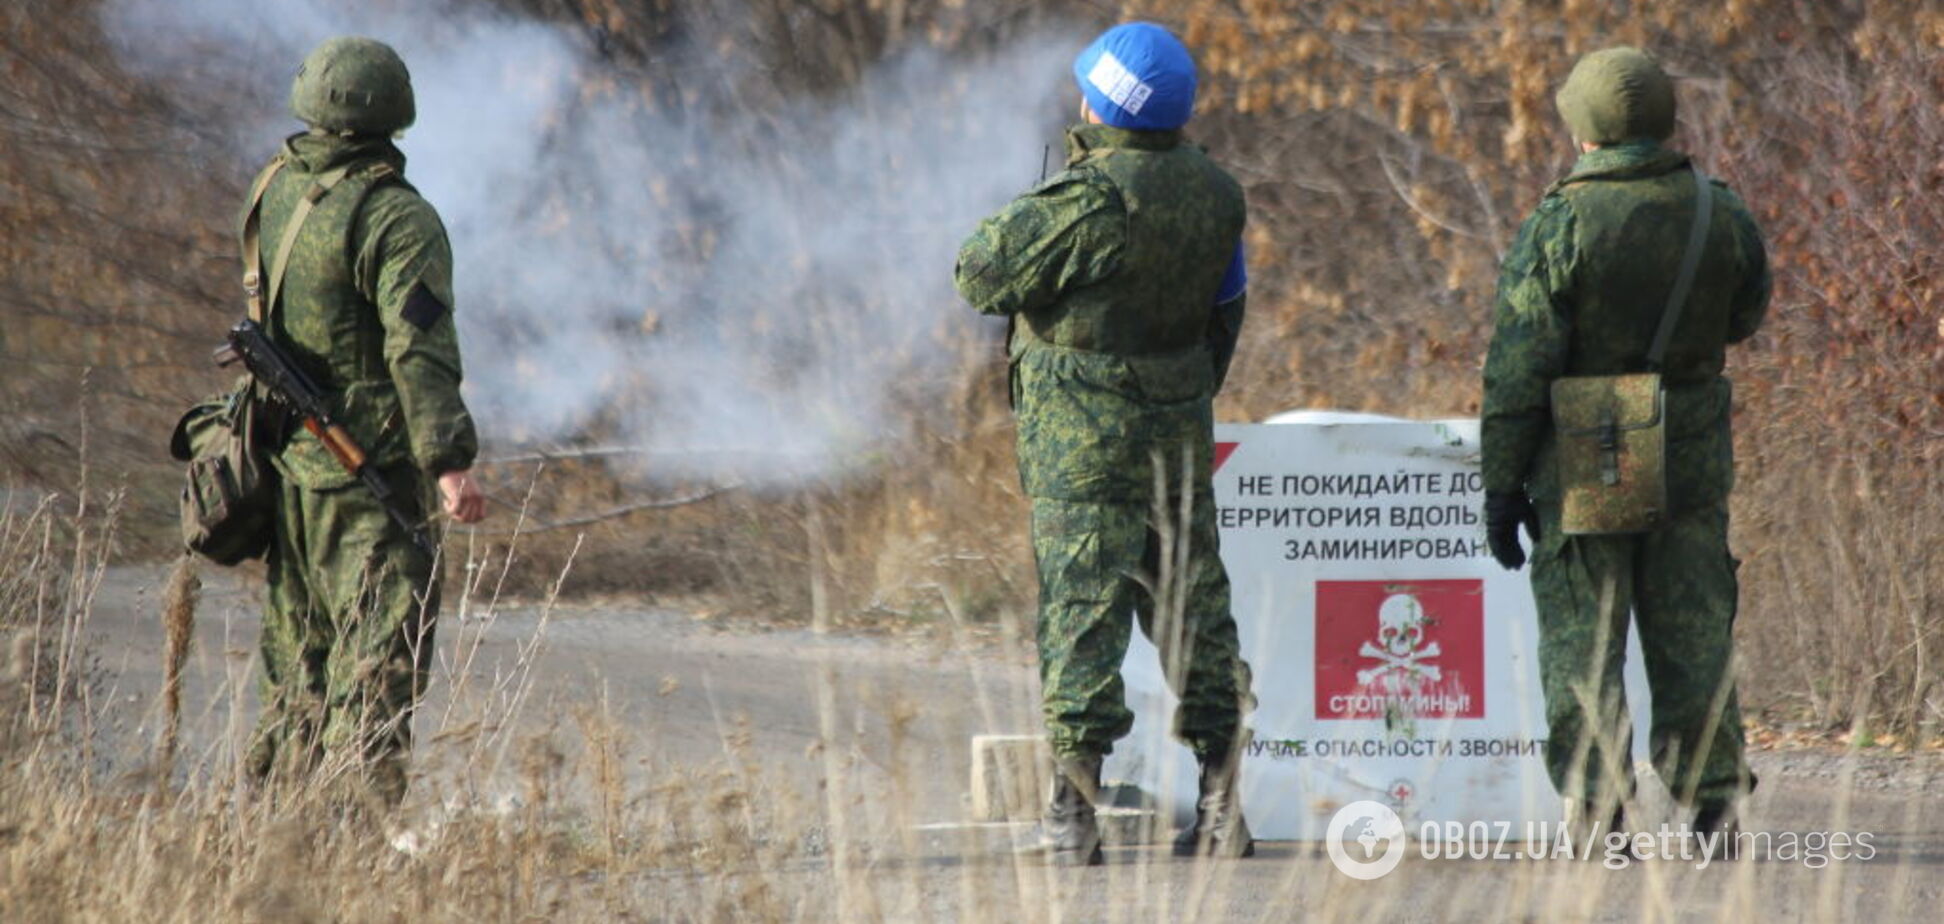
(1503, 514)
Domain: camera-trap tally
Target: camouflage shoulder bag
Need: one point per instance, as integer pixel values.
(228, 503)
(1611, 429)
(229, 490)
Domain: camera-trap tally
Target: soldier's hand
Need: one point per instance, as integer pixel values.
(1504, 514)
(463, 499)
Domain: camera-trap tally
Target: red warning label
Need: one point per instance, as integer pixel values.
(1409, 648)
(1222, 453)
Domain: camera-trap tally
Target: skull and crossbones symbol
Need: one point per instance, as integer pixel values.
(1400, 642)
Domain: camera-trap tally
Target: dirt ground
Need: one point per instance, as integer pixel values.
(859, 739)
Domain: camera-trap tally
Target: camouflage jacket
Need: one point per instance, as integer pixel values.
(365, 310)
(1582, 291)
(1110, 270)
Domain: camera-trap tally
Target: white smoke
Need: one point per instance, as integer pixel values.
(684, 279)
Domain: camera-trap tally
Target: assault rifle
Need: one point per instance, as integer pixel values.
(286, 384)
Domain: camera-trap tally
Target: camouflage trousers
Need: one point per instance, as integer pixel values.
(347, 641)
(1679, 584)
(1096, 562)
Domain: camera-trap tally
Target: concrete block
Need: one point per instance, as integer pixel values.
(1130, 827)
(1119, 827)
(970, 839)
(1129, 815)
(1009, 777)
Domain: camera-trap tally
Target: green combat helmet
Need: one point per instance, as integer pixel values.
(354, 86)
(1617, 94)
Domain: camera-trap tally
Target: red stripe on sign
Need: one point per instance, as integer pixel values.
(1222, 452)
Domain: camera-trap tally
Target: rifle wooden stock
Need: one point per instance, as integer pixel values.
(339, 442)
(284, 382)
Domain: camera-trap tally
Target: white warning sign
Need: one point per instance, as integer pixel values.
(1394, 660)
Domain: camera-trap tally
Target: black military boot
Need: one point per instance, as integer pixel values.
(1219, 829)
(1588, 823)
(1717, 829)
(1069, 835)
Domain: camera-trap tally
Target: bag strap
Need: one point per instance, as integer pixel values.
(1684, 280)
(252, 255)
(321, 187)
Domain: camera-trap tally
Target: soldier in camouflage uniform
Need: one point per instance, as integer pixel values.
(1581, 292)
(364, 307)
(1122, 276)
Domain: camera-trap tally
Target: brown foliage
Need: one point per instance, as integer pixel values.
(1392, 148)
(1389, 151)
(116, 269)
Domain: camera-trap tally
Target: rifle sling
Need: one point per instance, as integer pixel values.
(1684, 279)
(318, 190)
(252, 251)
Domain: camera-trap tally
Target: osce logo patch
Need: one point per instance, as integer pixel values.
(1117, 83)
(1407, 649)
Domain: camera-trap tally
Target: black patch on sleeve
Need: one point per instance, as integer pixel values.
(422, 308)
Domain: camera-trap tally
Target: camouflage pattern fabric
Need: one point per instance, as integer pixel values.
(1617, 95)
(1110, 270)
(1580, 293)
(1610, 450)
(1093, 558)
(354, 84)
(365, 309)
(1679, 583)
(347, 639)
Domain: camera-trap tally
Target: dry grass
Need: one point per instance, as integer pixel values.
(1381, 196)
(1826, 117)
(525, 825)
(577, 815)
